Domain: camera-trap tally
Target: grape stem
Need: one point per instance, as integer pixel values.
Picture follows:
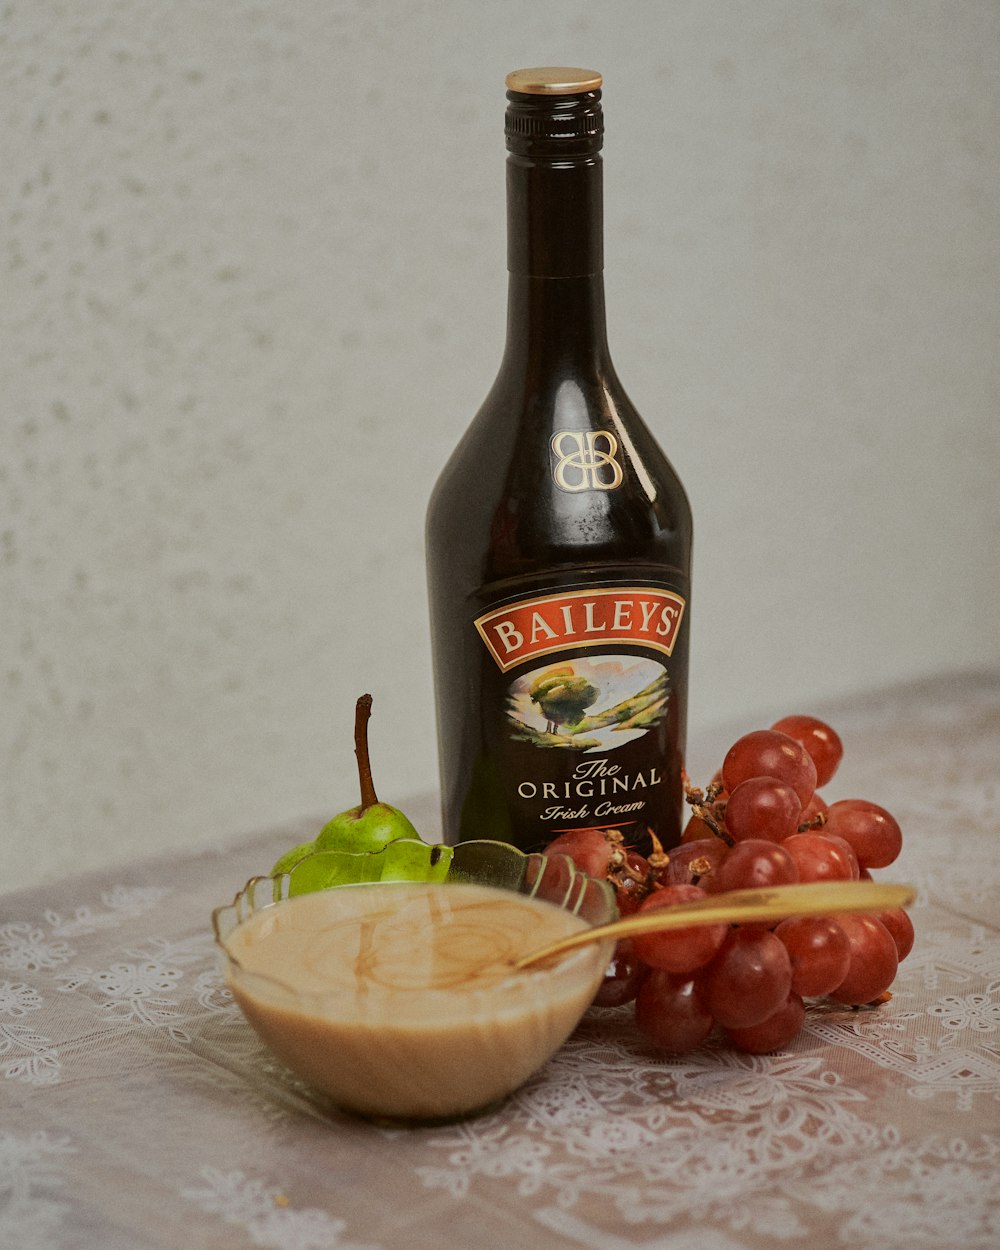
(362, 714)
(817, 822)
(705, 806)
(657, 857)
(618, 871)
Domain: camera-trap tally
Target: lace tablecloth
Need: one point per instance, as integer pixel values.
(138, 1110)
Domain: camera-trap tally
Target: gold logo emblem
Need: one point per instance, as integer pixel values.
(586, 460)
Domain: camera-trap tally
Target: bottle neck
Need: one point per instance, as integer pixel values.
(555, 324)
(555, 216)
(555, 307)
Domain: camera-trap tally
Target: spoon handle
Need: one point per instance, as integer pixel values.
(818, 898)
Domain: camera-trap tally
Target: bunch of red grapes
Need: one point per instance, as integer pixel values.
(761, 823)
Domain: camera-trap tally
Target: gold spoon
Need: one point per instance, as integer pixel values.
(817, 898)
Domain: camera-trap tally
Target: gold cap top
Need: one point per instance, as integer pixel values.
(553, 80)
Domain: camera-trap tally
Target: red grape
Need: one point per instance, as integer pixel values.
(762, 807)
(900, 926)
(774, 1032)
(589, 849)
(678, 950)
(814, 808)
(622, 978)
(819, 951)
(748, 980)
(765, 753)
(696, 831)
(873, 960)
(820, 857)
(670, 1011)
(870, 830)
(694, 863)
(754, 864)
(819, 740)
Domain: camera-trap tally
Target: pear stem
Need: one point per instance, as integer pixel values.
(362, 713)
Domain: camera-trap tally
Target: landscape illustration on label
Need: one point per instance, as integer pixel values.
(587, 704)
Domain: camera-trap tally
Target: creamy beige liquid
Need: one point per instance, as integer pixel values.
(400, 1000)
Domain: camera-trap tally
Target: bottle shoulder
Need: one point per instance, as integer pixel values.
(554, 476)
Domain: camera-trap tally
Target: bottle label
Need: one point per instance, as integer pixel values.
(581, 619)
(590, 729)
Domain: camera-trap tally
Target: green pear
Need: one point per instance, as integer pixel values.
(290, 858)
(370, 825)
(321, 871)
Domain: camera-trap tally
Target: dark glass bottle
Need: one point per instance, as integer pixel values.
(558, 535)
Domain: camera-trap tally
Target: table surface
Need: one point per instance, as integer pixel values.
(137, 1109)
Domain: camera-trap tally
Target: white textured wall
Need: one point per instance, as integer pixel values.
(252, 290)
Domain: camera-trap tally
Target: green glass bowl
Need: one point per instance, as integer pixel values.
(459, 1060)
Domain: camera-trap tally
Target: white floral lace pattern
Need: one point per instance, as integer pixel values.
(26, 948)
(263, 1213)
(138, 1108)
(24, 1054)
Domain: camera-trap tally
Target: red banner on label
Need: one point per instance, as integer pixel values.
(582, 619)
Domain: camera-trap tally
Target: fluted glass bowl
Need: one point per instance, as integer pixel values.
(440, 1028)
